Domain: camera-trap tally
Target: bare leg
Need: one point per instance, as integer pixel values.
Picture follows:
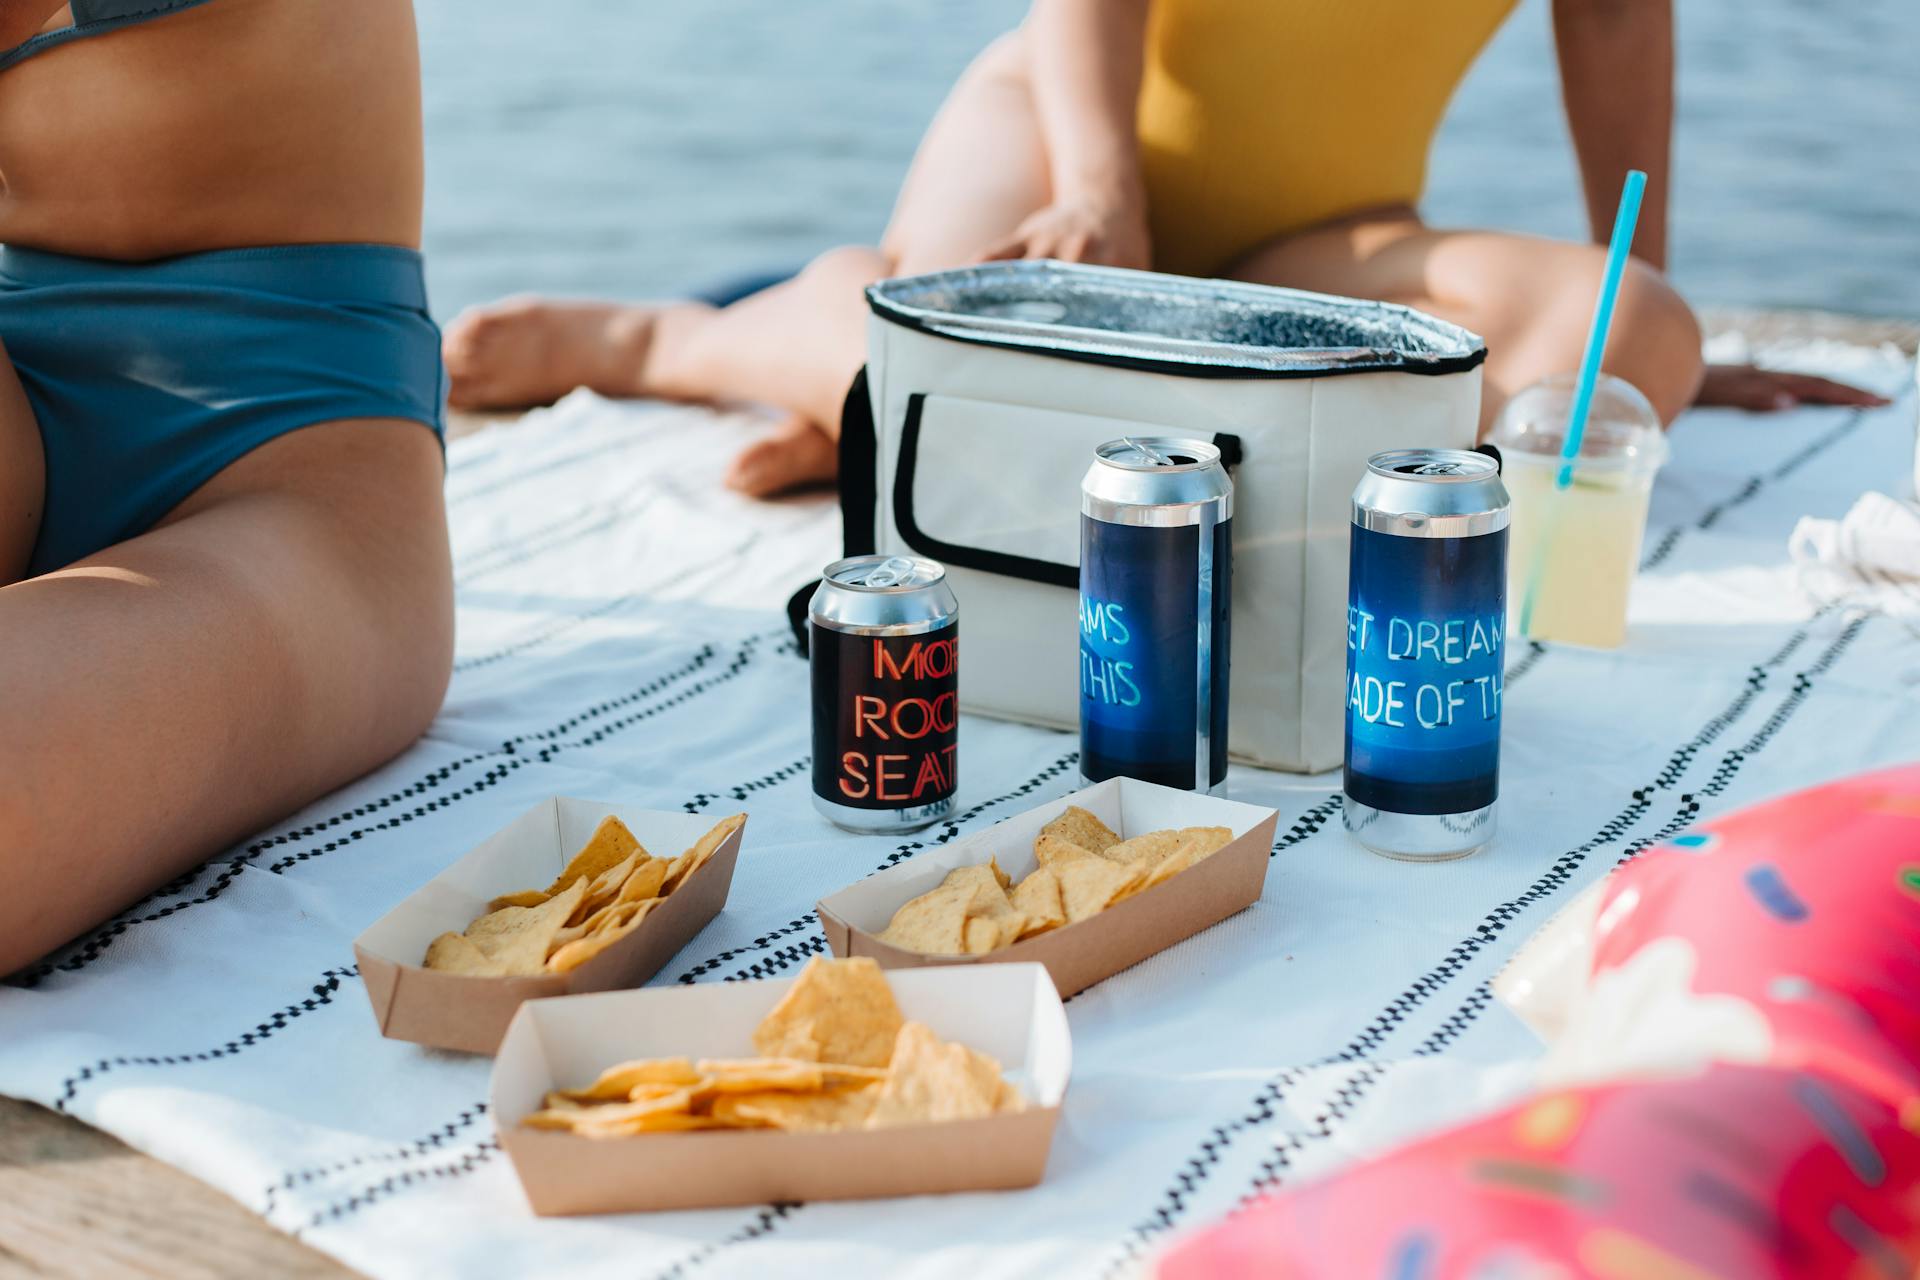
(796, 346)
(1530, 298)
(287, 628)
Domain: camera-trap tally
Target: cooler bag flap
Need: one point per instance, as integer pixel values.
(995, 487)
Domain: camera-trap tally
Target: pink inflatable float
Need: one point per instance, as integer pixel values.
(1732, 1070)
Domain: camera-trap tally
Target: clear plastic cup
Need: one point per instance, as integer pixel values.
(1578, 547)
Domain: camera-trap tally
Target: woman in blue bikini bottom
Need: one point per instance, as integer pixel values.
(224, 577)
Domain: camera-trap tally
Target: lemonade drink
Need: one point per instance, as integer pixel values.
(1577, 548)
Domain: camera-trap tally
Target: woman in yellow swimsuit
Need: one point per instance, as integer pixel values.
(1278, 141)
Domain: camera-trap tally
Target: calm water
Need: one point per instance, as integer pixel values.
(633, 148)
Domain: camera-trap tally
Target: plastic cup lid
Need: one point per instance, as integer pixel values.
(1623, 431)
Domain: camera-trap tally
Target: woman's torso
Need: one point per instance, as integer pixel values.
(233, 123)
(1260, 118)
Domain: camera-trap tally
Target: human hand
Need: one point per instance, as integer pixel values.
(1746, 386)
(1109, 233)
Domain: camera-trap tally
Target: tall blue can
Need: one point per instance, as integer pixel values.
(1156, 603)
(1426, 652)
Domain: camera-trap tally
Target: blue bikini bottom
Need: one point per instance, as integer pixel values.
(147, 378)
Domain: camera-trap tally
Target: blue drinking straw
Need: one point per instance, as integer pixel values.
(1617, 247)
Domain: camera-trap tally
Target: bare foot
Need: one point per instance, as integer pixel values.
(794, 454)
(527, 351)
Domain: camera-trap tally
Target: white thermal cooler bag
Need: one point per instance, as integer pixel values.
(988, 387)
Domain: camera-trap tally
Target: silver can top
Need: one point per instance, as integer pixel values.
(1163, 481)
(885, 573)
(883, 595)
(1431, 493)
(1157, 453)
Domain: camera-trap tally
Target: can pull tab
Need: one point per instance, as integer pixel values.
(1147, 451)
(892, 572)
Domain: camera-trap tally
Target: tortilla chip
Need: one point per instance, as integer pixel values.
(940, 921)
(453, 953)
(930, 1079)
(1199, 843)
(621, 921)
(836, 1011)
(552, 1118)
(704, 848)
(618, 1082)
(619, 915)
(645, 881)
(799, 1112)
(1077, 826)
(1037, 899)
(525, 898)
(934, 923)
(756, 1075)
(518, 938)
(650, 1115)
(653, 1122)
(985, 933)
(1149, 848)
(1089, 885)
(608, 846)
(605, 887)
(1051, 851)
(611, 1114)
(983, 878)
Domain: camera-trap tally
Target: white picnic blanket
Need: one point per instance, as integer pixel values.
(621, 637)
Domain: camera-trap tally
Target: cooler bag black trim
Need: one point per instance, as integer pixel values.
(1432, 367)
(859, 494)
(859, 498)
(952, 553)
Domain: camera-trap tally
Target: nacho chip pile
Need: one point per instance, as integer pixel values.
(604, 893)
(1084, 869)
(839, 1055)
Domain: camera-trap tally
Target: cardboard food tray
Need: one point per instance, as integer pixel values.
(1008, 1010)
(462, 1011)
(1077, 955)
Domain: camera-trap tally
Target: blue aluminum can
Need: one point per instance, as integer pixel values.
(1426, 650)
(1156, 586)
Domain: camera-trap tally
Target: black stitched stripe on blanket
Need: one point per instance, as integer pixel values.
(741, 791)
(1456, 1023)
(418, 1147)
(464, 1164)
(540, 635)
(323, 993)
(505, 759)
(1177, 1198)
(764, 1221)
(1663, 548)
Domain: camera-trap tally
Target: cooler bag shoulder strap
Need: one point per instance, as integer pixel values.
(954, 554)
(859, 495)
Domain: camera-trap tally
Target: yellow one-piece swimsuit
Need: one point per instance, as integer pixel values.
(1261, 118)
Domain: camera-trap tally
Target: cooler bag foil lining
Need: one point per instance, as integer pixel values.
(1173, 323)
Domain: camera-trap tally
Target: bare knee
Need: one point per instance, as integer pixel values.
(1537, 324)
(1655, 341)
(848, 269)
